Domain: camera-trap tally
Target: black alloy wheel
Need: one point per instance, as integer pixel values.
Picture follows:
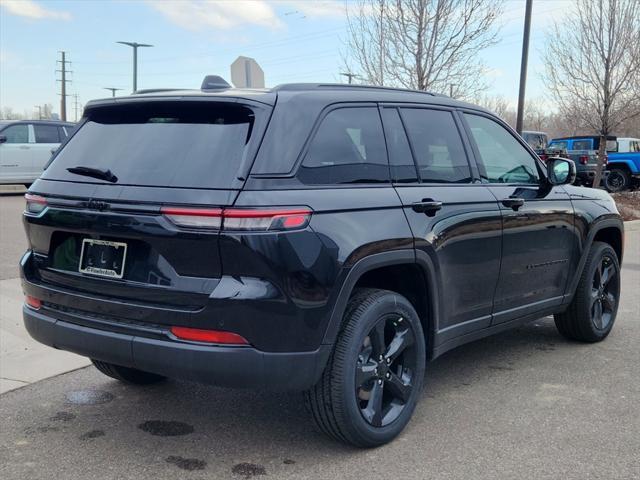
(385, 370)
(604, 293)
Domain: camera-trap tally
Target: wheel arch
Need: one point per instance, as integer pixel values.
(609, 230)
(399, 271)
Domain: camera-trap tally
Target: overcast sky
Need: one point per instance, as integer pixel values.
(293, 41)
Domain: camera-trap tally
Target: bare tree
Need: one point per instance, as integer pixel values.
(423, 44)
(592, 65)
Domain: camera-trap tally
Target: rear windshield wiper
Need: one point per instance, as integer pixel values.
(94, 172)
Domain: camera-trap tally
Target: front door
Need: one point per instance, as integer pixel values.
(538, 239)
(456, 223)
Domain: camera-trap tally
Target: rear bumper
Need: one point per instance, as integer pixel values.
(218, 365)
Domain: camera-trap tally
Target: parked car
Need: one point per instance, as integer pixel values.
(27, 145)
(324, 238)
(583, 150)
(624, 165)
(539, 141)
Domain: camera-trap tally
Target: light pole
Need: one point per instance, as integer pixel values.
(135, 46)
(113, 90)
(523, 65)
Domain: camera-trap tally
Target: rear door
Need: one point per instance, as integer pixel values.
(16, 153)
(538, 239)
(455, 221)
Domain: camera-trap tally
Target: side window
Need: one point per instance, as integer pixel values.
(17, 133)
(582, 145)
(46, 133)
(403, 169)
(437, 146)
(504, 159)
(558, 145)
(348, 147)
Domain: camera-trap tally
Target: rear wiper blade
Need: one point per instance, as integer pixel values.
(94, 172)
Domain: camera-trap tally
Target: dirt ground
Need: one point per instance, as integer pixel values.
(629, 204)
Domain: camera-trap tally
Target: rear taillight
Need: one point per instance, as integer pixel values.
(35, 204)
(584, 159)
(33, 302)
(270, 219)
(194, 217)
(208, 336)
(544, 157)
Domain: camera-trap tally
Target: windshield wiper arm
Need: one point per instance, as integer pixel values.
(94, 172)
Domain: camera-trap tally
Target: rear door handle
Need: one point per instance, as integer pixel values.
(428, 206)
(513, 203)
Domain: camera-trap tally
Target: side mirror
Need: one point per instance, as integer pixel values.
(3, 138)
(561, 171)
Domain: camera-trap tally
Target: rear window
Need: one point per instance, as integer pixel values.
(172, 144)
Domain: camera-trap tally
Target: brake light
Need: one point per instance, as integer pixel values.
(194, 217)
(33, 302)
(35, 203)
(544, 157)
(276, 219)
(208, 336)
(584, 159)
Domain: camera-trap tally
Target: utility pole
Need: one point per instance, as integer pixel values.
(75, 106)
(451, 85)
(350, 76)
(135, 46)
(39, 107)
(523, 65)
(113, 90)
(63, 93)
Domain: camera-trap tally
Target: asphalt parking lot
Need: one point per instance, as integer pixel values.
(525, 404)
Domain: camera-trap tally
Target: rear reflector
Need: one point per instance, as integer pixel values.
(35, 203)
(208, 336)
(239, 219)
(33, 302)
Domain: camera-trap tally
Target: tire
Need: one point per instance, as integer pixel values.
(618, 180)
(126, 374)
(374, 321)
(592, 312)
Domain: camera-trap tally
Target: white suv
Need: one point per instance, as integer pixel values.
(27, 145)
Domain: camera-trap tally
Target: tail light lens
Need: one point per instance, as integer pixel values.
(208, 336)
(239, 219)
(35, 204)
(544, 157)
(33, 302)
(584, 159)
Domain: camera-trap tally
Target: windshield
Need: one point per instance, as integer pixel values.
(170, 144)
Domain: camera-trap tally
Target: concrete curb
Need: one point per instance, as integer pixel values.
(12, 189)
(632, 226)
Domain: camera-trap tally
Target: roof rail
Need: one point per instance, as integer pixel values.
(309, 86)
(156, 90)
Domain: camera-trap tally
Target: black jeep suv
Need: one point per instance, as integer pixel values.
(324, 238)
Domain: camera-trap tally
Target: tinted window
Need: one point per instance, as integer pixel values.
(403, 168)
(348, 147)
(582, 145)
(46, 133)
(16, 133)
(504, 159)
(437, 146)
(187, 144)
